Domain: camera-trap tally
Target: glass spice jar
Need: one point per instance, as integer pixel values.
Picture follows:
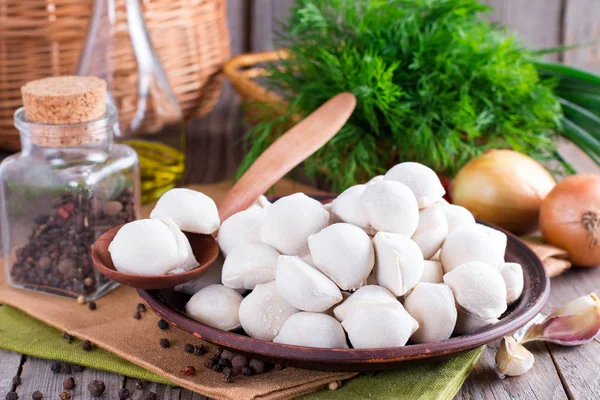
(67, 186)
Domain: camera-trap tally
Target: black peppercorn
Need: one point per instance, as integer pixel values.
(86, 345)
(65, 395)
(67, 337)
(163, 325)
(149, 396)
(12, 396)
(218, 352)
(227, 375)
(246, 371)
(217, 368)
(257, 366)
(96, 388)
(56, 367)
(238, 362)
(16, 380)
(209, 363)
(123, 394)
(92, 305)
(78, 368)
(223, 362)
(137, 315)
(278, 367)
(37, 395)
(228, 355)
(164, 343)
(69, 383)
(199, 350)
(188, 371)
(65, 368)
(139, 385)
(188, 348)
(141, 307)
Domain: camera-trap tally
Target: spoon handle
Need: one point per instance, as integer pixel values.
(293, 147)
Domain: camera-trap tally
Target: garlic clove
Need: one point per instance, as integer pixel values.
(432, 272)
(240, 229)
(574, 323)
(382, 325)
(512, 359)
(420, 179)
(375, 179)
(364, 297)
(249, 265)
(192, 211)
(431, 231)
(513, 278)
(264, 311)
(304, 287)
(346, 207)
(399, 262)
(478, 288)
(468, 323)
(470, 243)
(432, 305)
(456, 216)
(216, 306)
(391, 207)
(312, 330)
(344, 253)
(290, 221)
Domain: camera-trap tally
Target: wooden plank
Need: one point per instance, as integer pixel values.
(537, 22)
(163, 392)
(37, 375)
(187, 395)
(582, 25)
(9, 367)
(541, 382)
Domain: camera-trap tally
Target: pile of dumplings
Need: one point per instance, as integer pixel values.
(386, 263)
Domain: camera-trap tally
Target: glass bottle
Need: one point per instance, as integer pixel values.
(56, 199)
(118, 49)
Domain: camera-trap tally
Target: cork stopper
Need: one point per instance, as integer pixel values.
(64, 100)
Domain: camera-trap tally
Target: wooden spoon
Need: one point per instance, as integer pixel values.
(287, 152)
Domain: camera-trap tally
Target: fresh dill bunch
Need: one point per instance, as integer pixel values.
(435, 83)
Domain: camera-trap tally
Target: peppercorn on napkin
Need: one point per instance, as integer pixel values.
(131, 347)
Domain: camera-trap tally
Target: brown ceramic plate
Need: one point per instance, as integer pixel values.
(170, 306)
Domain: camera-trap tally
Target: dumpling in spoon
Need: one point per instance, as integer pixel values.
(192, 211)
(216, 306)
(312, 330)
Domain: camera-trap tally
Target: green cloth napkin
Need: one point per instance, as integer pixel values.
(442, 380)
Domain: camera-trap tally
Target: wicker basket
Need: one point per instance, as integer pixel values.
(40, 38)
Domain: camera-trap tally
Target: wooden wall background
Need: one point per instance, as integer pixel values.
(539, 24)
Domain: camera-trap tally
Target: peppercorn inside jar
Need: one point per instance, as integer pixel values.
(67, 186)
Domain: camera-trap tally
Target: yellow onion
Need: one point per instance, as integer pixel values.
(503, 187)
(570, 218)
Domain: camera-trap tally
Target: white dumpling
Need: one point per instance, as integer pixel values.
(344, 253)
(422, 180)
(467, 323)
(304, 287)
(399, 262)
(478, 288)
(240, 229)
(290, 221)
(262, 202)
(264, 311)
(431, 231)
(499, 238)
(182, 240)
(366, 296)
(456, 216)
(374, 180)
(432, 272)
(147, 247)
(192, 211)
(470, 243)
(247, 266)
(384, 325)
(312, 330)
(432, 305)
(392, 207)
(216, 306)
(346, 207)
(513, 278)
(212, 276)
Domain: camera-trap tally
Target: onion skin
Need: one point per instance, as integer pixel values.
(504, 188)
(570, 218)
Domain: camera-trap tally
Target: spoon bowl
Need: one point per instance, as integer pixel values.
(204, 247)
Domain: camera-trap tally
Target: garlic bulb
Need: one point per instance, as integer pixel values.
(263, 312)
(192, 211)
(431, 231)
(346, 207)
(456, 216)
(432, 305)
(468, 323)
(290, 221)
(421, 180)
(304, 287)
(247, 266)
(312, 330)
(344, 253)
(399, 263)
(478, 288)
(240, 229)
(512, 359)
(383, 325)
(513, 278)
(212, 276)
(432, 272)
(147, 247)
(391, 206)
(470, 243)
(216, 306)
(366, 296)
